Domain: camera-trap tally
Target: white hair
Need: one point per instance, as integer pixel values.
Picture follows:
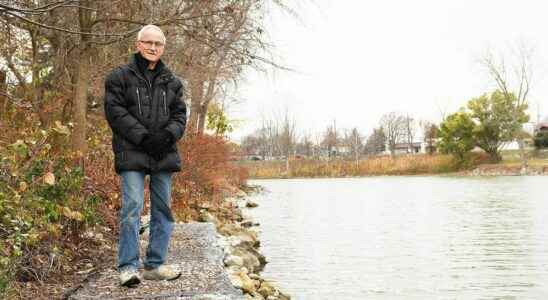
(150, 27)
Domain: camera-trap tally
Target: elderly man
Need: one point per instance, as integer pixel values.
(145, 110)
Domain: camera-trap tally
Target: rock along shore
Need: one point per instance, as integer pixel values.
(502, 170)
(238, 236)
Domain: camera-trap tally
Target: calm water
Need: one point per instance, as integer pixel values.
(406, 237)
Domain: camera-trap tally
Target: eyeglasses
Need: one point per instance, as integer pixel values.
(149, 44)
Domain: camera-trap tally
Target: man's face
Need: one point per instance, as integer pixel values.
(151, 45)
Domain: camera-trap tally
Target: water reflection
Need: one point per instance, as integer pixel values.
(406, 237)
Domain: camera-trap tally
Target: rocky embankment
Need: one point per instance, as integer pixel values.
(238, 236)
(218, 257)
(194, 250)
(505, 170)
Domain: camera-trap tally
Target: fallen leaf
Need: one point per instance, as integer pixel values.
(73, 215)
(22, 186)
(49, 178)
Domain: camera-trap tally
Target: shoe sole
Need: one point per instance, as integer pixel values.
(157, 278)
(134, 280)
(176, 277)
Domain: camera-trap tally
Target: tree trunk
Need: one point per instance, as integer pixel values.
(202, 117)
(79, 144)
(80, 103)
(196, 96)
(3, 93)
(210, 93)
(523, 156)
(494, 155)
(37, 91)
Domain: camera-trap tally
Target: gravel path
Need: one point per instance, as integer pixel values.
(195, 251)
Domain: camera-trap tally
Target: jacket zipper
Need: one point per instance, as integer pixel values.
(165, 103)
(150, 89)
(139, 102)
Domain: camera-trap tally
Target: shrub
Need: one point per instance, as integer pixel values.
(208, 174)
(42, 208)
(541, 139)
(456, 136)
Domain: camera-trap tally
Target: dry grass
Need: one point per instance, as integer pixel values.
(511, 158)
(402, 165)
(384, 165)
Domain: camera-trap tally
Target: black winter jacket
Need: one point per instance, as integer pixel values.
(134, 107)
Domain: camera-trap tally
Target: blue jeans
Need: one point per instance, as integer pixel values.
(161, 219)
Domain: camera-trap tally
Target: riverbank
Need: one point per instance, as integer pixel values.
(238, 236)
(218, 256)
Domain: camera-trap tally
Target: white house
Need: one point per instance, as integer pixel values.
(406, 148)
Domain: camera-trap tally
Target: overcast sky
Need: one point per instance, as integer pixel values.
(357, 60)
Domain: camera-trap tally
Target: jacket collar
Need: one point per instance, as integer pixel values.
(160, 66)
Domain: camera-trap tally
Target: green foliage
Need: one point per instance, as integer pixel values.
(218, 121)
(456, 136)
(498, 119)
(541, 139)
(40, 200)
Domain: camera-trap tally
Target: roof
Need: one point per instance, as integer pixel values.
(542, 124)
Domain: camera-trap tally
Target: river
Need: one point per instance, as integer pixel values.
(416, 237)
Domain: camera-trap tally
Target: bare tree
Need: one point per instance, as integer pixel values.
(330, 139)
(251, 145)
(355, 142)
(410, 129)
(216, 50)
(306, 146)
(430, 134)
(393, 125)
(277, 137)
(287, 137)
(269, 133)
(376, 142)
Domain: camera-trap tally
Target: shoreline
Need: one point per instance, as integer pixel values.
(217, 253)
(487, 170)
(238, 237)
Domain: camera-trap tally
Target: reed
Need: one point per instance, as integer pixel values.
(373, 166)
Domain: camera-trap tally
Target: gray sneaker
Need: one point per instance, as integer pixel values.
(129, 277)
(162, 272)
